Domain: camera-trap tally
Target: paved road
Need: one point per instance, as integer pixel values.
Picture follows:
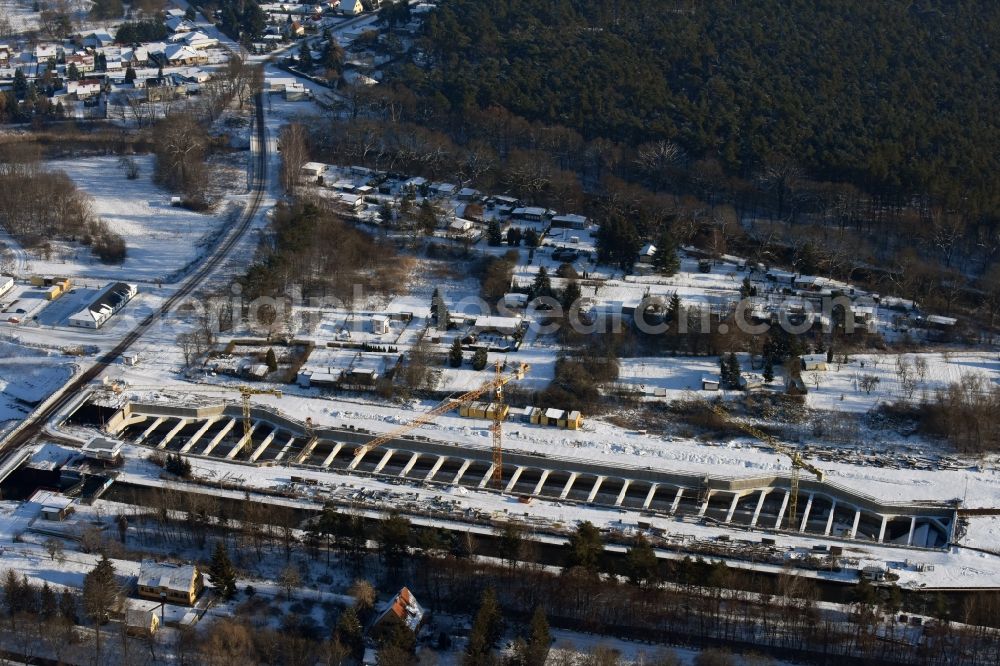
(33, 425)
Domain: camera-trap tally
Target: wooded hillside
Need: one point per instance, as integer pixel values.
(888, 95)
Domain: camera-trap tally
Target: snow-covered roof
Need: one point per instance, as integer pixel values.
(50, 499)
(813, 358)
(533, 211)
(570, 218)
(405, 608)
(500, 323)
(169, 576)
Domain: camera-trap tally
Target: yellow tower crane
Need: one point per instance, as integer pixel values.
(246, 392)
(494, 386)
(796, 458)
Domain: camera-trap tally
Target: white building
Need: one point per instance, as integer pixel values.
(101, 310)
(351, 7)
(380, 324)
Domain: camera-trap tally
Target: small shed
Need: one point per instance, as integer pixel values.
(380, 324)
(813, 362)
(515, 300)
(103, 449)
(552, 416)
(141, 618)
(54, 506)
(709, 384)
(574, 420)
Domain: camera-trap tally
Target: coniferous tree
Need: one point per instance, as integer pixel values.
(441, 314)
(129, 74)
(539, 640)
(570, 296)
(305, 57)
(665, 260)
(542, 286)
(455, 355)
(221, 572)
(350, 633)
(487, 628)
(674, 307)
(68, 606)
(271, 360)
(586, 547)
(768, 370)
(641, 563)
(479, 359)
(101, 596)
(47, 602)
(494, 236)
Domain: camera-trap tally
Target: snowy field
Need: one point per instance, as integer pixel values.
(840, 386)
(27, 377)
(161, 239)
(20, 14)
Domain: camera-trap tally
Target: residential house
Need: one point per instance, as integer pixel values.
(571, 221)
(98, 38)
(173, 583)
(196, 40)
(529, 213)
(313, 169)
(647, 253)
(182, 54)
(176, 24)
(402, 611)
(501, 325)
(84, 62)
(47, 53)
(106, 306)
(351, 7)
(84, 88)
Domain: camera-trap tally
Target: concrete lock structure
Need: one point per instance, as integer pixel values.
(826, 509)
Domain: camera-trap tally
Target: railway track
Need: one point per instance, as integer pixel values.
(32, 426)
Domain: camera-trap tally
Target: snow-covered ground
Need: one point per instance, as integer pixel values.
(161, 239)
(27, 377)
(840, 386)
(21, 14)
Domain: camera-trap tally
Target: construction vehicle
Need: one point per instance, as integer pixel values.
(494, 386)
(796, 458)
(245, 392)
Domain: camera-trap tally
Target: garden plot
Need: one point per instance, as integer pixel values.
(162, 239)
(845, 387)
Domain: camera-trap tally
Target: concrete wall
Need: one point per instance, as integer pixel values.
(424, 445)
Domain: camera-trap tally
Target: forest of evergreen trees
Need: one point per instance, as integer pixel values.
(887, 95)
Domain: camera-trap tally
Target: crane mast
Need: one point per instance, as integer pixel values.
(798, 462)
(493, 387)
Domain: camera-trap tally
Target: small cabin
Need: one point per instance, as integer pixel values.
(380, 324)
(814, 362)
